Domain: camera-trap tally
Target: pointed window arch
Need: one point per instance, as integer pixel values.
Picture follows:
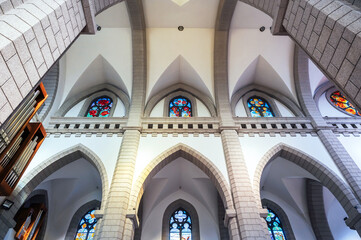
(100, 107)
(180, 225)
(86, 226)
(180, 107)
(259, 107)
(275, 226)
(340, 102)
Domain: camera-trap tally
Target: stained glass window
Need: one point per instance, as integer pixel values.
(180, 225)
(259, 107)
(100, 107)
(180, 107)
(342, 103)
(274, 226)
(86, 227)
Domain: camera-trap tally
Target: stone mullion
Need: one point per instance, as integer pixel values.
(248, 216)
(117, 204)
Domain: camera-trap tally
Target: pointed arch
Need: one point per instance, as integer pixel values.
(265, 91)
(102, 89)
(189, 154)
(189, 208)
(326, 176)
(48, 167)
(181, 89)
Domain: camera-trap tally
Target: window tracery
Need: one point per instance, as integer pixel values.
(180, 107)
(275, 226)
(259, 107)
(340, 102)
(180, 225)
(100, 107)
(86, 227)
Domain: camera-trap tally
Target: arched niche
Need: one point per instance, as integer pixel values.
(46, 169)
(192, 156)
(179, 90)
(90, 95)
(318, 171)
(269, 95)
(189, 209)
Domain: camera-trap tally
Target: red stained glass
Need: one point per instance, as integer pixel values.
(180, 107)
(100, 107)
(340, 102)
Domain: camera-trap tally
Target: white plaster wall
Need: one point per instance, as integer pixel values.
(352, 145)
(285, 112)
(254, 148)
(317, 78)
(326, 109)
(106, 148)
(150, 147)
(335, 215)
(114, 44)
(74, 111)
(158, 109)
(195, 45)
(119, 109)
(202, 110)
(245, 45)
(240, 110)
(300, 226)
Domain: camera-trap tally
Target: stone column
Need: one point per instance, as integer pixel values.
(117, 203)
(251, 226)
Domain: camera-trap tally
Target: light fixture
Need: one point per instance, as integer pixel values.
(262, 28)
(99, 28)
(7, 204)
(180, 28)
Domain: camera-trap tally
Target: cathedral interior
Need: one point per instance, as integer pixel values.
(180, 119)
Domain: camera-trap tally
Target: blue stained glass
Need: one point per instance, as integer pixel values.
(259, 107)
(180, 107)
(274, 226)
(180, 225)
(100, 107)
(86, 227)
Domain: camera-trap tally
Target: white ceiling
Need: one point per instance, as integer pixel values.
(246, 16)
(114, 17)
(192, 14)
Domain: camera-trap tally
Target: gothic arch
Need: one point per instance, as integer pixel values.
(73, 226)
(325, 175)
(48, 167)
(179, 89)
(191, 211)
(92, 93)
(191, 155)
(268, 94)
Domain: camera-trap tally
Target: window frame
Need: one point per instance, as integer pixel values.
(269, 100)
(84, 110)
(189, 209)
(171, 96)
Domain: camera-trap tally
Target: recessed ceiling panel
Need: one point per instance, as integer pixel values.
(174, 13)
